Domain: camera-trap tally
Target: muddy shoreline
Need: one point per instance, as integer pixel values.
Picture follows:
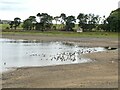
(102, 73)
(82, 41)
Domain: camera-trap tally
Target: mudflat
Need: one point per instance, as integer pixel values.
(102, 72)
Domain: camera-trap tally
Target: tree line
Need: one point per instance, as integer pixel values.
(87, 22)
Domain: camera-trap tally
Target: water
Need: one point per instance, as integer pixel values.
(23, 53)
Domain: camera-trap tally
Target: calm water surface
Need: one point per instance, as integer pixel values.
(23, 53)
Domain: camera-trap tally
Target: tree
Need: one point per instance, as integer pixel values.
(91, 21)
(33, 21)
(30, 23)
(11, 24)
(39, 15)
(16, 22)
(45, 21)
(70, 23)
(114, 21)
(56, 20)
(27, 24)
(104, 24)
(82, 20)
(0, 21)
(88, 21)
(63, 19)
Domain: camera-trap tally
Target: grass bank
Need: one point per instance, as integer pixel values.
(67, 34)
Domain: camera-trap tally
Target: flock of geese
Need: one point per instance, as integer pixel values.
(65, 56)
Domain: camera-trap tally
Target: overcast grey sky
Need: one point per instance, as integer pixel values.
(9, 9)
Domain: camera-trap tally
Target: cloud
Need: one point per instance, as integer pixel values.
(25, 8)
(7, 2)
(11, 2)
(12, 5)
(12, 9)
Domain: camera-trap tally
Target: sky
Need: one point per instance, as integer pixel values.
(9, 9)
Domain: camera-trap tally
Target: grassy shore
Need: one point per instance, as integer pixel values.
(66, 34)
(57, 32)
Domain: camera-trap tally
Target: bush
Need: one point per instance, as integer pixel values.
(7, 28)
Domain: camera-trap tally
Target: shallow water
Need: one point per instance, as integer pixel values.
(23, 53)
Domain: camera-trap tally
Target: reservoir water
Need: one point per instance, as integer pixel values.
(26, 53)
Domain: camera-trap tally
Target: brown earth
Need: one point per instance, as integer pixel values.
(101, 73)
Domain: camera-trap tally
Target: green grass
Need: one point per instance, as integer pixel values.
(58, 33)
(4, 26)
(67, 34)
(58, 26)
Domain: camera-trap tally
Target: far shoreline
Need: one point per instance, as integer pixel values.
(80, 41)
